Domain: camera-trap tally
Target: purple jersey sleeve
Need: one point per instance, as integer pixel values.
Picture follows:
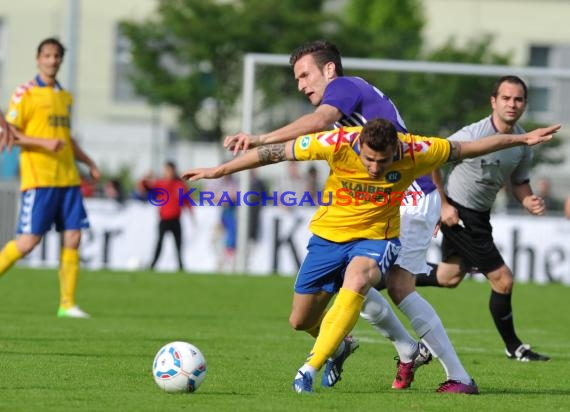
(360, 102)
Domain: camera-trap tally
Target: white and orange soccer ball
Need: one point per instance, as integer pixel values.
(179, 367)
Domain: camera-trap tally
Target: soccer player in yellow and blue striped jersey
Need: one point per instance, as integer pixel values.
(40, 112)
(355, 231)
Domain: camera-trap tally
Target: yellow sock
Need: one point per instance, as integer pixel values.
(339, 320)
(68, 275)
(8, 256)
(314, 331)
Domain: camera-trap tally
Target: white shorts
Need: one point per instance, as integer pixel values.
(417, 223)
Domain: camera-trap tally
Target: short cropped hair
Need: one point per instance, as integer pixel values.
(509, 79)
(171, 165)
(379, 135)
(53, 41)
(322, 51)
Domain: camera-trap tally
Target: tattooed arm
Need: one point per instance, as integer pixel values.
(454, 151)
(260, 156)
(273, 153)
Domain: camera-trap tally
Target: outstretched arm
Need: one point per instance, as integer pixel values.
(260, 156)
(462, 150)
(321, 119)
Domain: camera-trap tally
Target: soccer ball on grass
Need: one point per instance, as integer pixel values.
(179, 367)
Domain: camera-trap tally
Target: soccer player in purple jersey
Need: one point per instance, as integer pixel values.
(351, 101)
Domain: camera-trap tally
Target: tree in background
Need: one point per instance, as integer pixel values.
(388, 29)
(190, 53)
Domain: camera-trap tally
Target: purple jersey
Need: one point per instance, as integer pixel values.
(359, 102)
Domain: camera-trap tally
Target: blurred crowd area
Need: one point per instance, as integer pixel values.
(123, 186)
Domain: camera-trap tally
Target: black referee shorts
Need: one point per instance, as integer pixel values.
(473, 243)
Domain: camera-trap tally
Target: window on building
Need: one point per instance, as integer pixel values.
(548, 95)
(539, 56)
(123, 90)
(538, 98)
(539, 91)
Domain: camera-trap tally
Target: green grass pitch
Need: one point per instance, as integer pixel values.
(240, 324)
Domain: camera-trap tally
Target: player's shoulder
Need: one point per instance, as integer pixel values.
(474, 131)
(411, 144)
(347, 82)
(336, 138)
(22, 90)
(481, 126)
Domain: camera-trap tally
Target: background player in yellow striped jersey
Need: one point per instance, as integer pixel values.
(40, 112)
(354, 245)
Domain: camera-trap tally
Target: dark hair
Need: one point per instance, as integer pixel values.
(509, 79)
(322, 51)
(379, 135)
(55, 42)
(172, 166)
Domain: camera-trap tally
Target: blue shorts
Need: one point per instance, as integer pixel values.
(43, 207)
(324, 266)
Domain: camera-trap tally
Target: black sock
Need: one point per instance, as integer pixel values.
(502, 312)
(428, 279)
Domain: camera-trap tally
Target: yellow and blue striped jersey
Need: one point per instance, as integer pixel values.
(354, 205)
(44, 112)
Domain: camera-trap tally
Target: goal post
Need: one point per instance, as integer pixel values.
(252, 60)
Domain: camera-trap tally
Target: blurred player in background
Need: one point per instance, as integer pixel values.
(351, 101)
(169, 213)
(355, 237)
(40, 111)
(471, 189)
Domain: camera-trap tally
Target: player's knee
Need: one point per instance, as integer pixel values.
(400, 283)
(26, 244)
(450, 282)
(360, 282)
(508, 284)
(299, 323)
(502, 280)
(397, 294)
(72, 238)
